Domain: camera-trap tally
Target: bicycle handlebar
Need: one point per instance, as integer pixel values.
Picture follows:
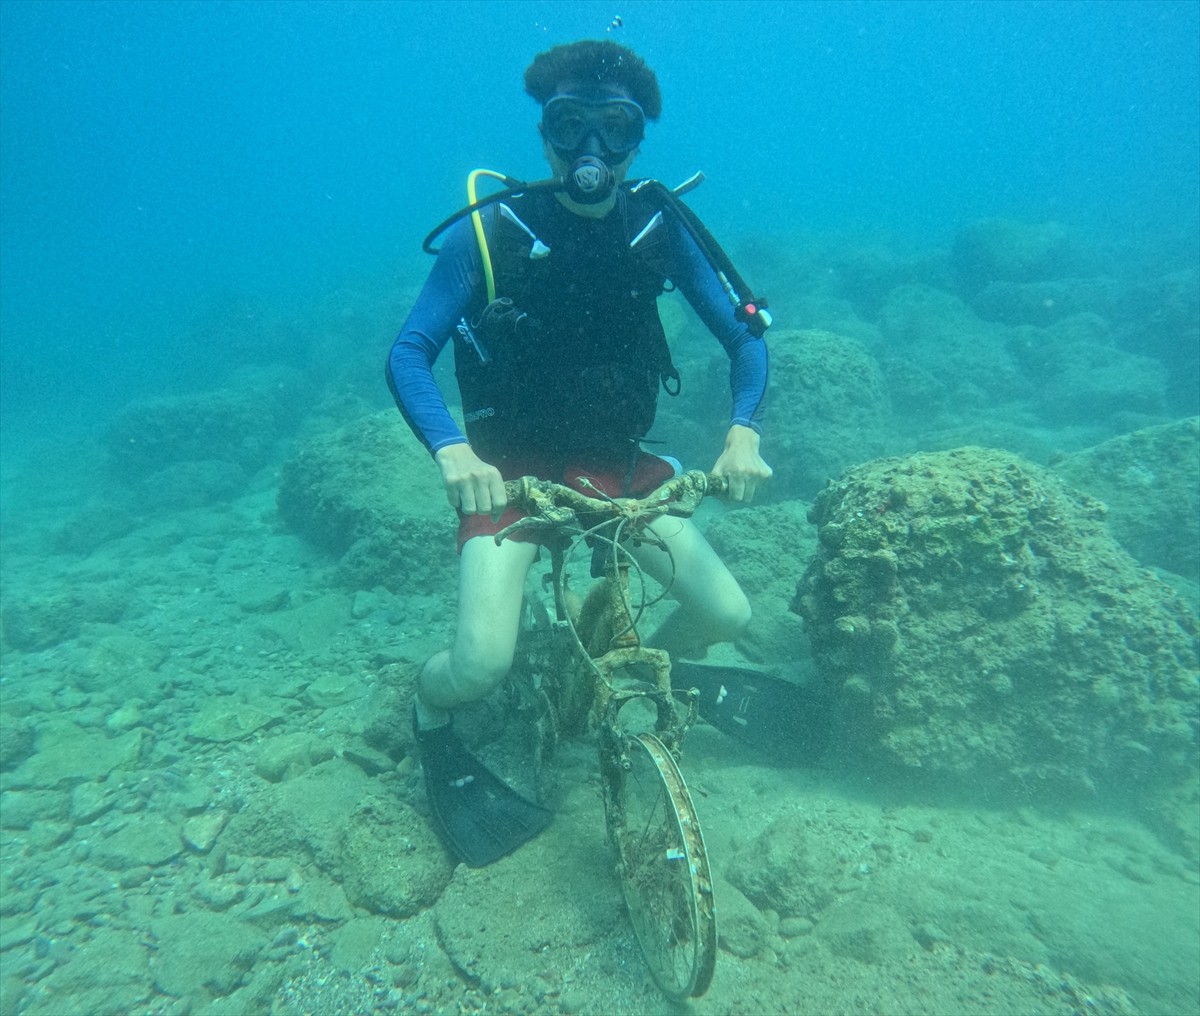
(552, 505)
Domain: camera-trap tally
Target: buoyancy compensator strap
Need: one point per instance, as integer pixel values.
(747, 307)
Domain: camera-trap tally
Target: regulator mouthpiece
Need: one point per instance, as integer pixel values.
(590, 181)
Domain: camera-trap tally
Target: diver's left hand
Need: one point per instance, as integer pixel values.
(741, 464)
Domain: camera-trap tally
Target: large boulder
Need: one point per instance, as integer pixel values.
(369, 494)
(1076, 375)
(1003, 250)
(837, 409)
(224, 430)
(1150, 481)
(973, 620)
(943, 364)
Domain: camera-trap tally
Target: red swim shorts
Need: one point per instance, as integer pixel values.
(615, 478)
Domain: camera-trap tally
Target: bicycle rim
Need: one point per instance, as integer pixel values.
(664, 870)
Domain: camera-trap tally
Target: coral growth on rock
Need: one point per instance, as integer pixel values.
(1150, 481)
(974, 620)
(368, 493)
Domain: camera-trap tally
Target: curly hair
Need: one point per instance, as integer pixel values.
(599, 61)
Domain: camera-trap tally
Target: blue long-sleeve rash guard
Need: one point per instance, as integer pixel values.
(455, 289)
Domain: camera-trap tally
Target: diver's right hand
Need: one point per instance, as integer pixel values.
(472, 485)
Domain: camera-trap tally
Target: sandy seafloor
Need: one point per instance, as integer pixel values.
(182, 814)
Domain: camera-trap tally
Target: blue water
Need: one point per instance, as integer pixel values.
(192, 188)
(163, 165)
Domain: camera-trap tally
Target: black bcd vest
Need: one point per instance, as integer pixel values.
(569, 359)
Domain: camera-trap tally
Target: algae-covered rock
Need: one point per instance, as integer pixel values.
(944, 366)
(787, 870)
(1150, 481)
(117, 659)
(304, 818)
(838, 411)
(308, 627)
(288, 755)
(1004, 250)
(19, 809)
(223, 720)
(200, 832)
(1042, 303)
(368, 493)
(201, 955)
(742, 930)
(766, 547)
(865, 931)
(45, 619)
(973, 619)
(149, 842)
(1075, 379)
(235, 426)
(18, 738)
(391, 860)
(109, 974)
(68, 754)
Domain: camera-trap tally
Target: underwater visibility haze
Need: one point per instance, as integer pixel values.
(225, 557)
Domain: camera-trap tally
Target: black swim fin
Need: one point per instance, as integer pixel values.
(479, 816)
(784, 720)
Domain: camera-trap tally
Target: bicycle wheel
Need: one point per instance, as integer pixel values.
(664, 869)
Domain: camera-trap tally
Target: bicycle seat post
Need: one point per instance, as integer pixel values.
(616, 575)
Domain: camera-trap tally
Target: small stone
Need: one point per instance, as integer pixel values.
(221, 722)
(275, 870)
(405, 975)
(929, 935)
(334, 690)
(200, 832)
(798, 946)
(134, 877)
(145, 841)
(1044, 855)
(369, 760)
(89, 801)
(288, 755)
(923, 835)
(794, 927)
(47, 835)
(126, 717)
(365, 604)
(286, 937)
(220, 893)
(262, 598)
(573, 1000)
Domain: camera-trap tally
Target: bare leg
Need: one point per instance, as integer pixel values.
(712, 607)
(491, 582)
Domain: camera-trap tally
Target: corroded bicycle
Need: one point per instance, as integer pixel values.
(595, 674)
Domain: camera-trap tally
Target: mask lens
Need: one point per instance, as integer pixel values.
(619, 123)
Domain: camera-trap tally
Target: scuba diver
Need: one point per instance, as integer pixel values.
(549, 292)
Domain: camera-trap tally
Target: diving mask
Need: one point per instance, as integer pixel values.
(568, 121)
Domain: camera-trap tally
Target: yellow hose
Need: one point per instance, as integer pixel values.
(477, 222)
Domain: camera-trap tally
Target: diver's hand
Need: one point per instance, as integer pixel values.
(741, 464)
(471, 484)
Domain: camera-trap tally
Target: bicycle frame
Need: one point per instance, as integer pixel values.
(662, 864)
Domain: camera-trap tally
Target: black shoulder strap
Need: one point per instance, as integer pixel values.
(746, 306)
(513, 243)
